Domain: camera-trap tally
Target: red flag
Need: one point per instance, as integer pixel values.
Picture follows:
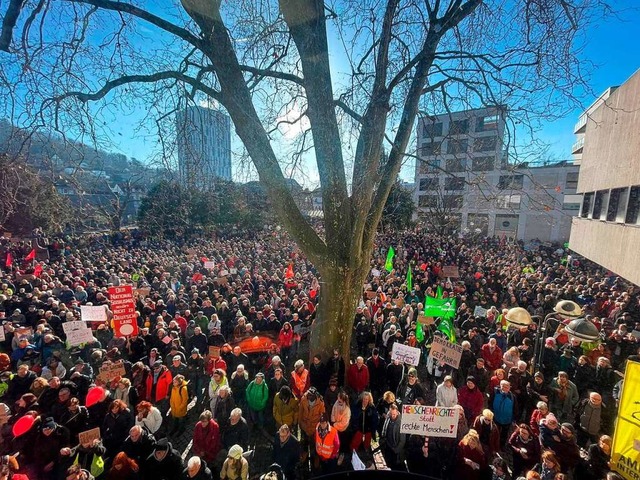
(9, 260)
(32, 255)
(289, 273)
(38, 270)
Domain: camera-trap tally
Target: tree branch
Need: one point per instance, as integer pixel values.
(9, 23)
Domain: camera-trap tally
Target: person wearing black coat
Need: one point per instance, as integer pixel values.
(237, 433)
(286, 451)
(318, 376)
(115, 427)
(335, 368)
(75, 418)
(98, 411)
(584, 376)
(139, 444)
(165, 463)
(19, 384)
(197, 469)
(394, 374)
(377, 374)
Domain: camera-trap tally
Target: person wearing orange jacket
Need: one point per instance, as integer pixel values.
(327, 445)
(158, 386)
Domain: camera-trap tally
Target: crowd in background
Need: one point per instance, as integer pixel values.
(192, 369)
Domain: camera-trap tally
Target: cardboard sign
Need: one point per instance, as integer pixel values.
(209, 265)
(450, 271)
(371, 294)
(111, 371)
(222, 280)
(93, 314)
(446, 352)
(224, 273)
(125, 319)
(426, 320)
(87, 437)
(143, 291)
(214, 351)
(480, 312)
(69, 326)
(429, 421)
(80, 336)
(405, 354)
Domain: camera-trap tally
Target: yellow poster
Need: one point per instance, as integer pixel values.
(625, 453)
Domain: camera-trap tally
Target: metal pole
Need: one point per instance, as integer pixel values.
(537, 350)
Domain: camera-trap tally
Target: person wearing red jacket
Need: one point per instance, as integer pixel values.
(285, 341)
(206, 438)
(358, 376)
(492, 355)
(471, 399)
(158, 386)
(213, 363)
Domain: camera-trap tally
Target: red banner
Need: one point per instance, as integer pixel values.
(123, 307)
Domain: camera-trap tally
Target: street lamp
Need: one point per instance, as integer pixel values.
(582, 329)
(518, 317)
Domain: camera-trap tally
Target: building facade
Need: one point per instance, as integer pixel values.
(607, 230)
(204, 146)
(465, 182)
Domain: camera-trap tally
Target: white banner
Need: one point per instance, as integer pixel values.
(77, 337)
(446, 352)
(429, 421)
(480, 312)
(209, 265)
(405, 354)
(93, 314)
(69, 326)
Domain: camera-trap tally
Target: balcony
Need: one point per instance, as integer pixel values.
(581, 125)
(578, 146)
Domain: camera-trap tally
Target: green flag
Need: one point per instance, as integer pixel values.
(409, 280)
(439, 292)
(439, 307)
(388, 265)
(446, 327)
(419, 332)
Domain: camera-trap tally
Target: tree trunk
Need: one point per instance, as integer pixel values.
(341, 288)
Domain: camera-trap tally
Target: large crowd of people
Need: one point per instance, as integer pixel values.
(221, 357)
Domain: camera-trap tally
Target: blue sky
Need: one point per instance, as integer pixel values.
(610, 45)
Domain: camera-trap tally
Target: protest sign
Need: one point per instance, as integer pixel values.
(233, 271)
(222, 280)
(405, 354)
(214, 351)
(111, 371)
(371, 294)
(429, 421)
(80, 336)
(424, 320)
(446, 352)
(450, 271)
(93, 314)
(125, 318)
(209, 265)
(625, 451)
(2, 337)
(480, 312)
(87, 437)
(69, 326)
(142, 291)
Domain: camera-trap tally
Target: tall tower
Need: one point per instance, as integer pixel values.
(204, 146)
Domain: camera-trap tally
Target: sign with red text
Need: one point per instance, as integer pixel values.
(429, 421)
(123, 308)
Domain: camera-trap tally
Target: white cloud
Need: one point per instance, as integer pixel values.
(294, 125)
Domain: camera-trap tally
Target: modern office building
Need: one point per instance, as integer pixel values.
(465, 181)
(607, 230)
(204, 146)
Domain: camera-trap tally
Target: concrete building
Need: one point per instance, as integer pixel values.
(465, 182)
(607, 230)
(204, 146)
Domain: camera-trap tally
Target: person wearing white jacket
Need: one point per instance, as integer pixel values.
(446, 393)
(148, 417)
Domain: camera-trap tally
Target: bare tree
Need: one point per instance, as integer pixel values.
(268, 64)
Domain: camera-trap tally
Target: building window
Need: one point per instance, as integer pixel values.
(571, 206)
(431, 129)
(478, 223)
(455, 165)
(615, 197)
(429, 184)
(633, 207)
(572, 181)
(511, 202)
(454, 183)
(587, 201)
(482, 164)
(452, 201)
(511, 182)
(429, 167)
(485, 124)
(599, 203)
(431, 148)
(485, 144)
(427, 201)
(458, 127)
(457, 145)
